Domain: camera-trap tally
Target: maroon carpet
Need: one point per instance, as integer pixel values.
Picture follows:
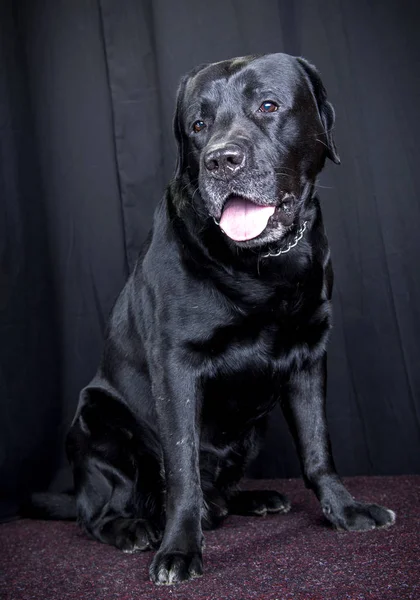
(277, 557)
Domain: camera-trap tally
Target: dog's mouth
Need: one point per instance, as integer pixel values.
(243, 219)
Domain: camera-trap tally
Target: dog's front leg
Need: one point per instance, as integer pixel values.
(303, 403)
(179, 557)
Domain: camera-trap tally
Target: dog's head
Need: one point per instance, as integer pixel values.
(253, 134)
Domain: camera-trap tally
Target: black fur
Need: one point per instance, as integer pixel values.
(208, 334)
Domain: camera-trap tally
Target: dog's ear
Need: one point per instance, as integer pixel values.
(325, 108)
(179, 132)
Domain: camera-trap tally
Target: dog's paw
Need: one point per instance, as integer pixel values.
(359, 517)
(174, 567)
(258, 503)
(133, 535)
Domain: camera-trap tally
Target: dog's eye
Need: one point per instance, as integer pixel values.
(199, 126)
(268, 107)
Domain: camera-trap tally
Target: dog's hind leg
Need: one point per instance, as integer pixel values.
(117, 479)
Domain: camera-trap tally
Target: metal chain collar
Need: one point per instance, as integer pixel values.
(299, 235)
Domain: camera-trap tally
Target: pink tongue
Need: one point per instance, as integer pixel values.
(243, 220)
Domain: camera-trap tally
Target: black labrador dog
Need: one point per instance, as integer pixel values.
(226, 314)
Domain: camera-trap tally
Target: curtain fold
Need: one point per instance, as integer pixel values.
(29, 369)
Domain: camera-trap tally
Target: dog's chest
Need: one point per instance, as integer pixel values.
(244, 365)
(271, 340)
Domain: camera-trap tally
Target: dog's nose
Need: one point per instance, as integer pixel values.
(225, 161)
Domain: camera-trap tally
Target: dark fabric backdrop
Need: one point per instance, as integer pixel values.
(87, 93)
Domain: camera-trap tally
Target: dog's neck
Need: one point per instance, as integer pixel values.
(206, 249)
(285, 248)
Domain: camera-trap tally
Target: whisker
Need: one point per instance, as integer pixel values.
(321, 142)
(287, 169)
(324, 187)
(283, 174)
